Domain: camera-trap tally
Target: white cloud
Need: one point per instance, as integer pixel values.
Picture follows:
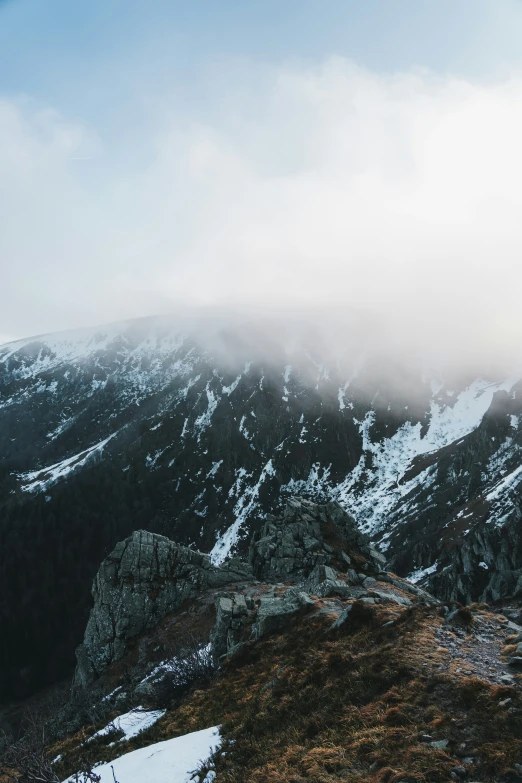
(394, 194)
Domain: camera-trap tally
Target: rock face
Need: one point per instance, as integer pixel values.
(143, 579)
(309, 535)
(290, 556)
(482, 567)
(310, 553)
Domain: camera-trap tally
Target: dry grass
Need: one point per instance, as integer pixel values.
(313, 706)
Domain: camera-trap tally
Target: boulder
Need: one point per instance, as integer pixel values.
(232, 613)
(388, 595)
(145, 577)
(274, 612)
(307, 536)
(343, 619)
(324, 582)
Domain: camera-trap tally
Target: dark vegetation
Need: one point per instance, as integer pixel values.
(66, 718)
(25, 755)
(49, 554)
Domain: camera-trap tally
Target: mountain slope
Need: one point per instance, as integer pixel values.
(322, 667)
(136, 426)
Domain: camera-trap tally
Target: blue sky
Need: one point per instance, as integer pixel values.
(221, 151)
(94, 60)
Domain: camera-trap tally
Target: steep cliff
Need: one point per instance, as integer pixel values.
(143, 579)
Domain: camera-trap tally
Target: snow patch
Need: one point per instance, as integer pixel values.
(371, 494)
(506, 484)
(233, 386)
(131, 723)
(243, 430)
(203, 421)
(421, 573)
(214, 469)
(172, 761)
(245, 505)
(43, 478)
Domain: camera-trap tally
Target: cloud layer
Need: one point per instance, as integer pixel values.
(329, 188)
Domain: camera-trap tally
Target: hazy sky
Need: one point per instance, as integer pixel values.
(280, 152)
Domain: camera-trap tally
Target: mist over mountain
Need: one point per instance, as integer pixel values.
(198, 429)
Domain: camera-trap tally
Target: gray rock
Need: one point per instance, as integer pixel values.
(307, 536)
(121, 699)
(408, 587)
(439, 744)
(145, 577)
(516, 660)
(232, 614)
(459, 576)
(401, 600)
(452, 614)
(323, 582)
(144, 689)
(274, 612)
(461, 772)
(356, 592)
(330, 588)
(378, 556)
(342, 620)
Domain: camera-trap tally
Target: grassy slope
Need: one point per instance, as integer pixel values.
(313, 705)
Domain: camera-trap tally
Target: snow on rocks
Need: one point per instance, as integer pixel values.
(41, 479)
(421, 573)
(172, 761)
(130, 723)
(391, 457)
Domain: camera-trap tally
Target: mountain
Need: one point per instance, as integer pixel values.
(140, 426)
(306, 661)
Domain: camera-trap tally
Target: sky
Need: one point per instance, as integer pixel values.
(275, 154)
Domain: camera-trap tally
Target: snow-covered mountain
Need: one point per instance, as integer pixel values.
(135, 425)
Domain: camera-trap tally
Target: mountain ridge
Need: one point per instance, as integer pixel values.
(136, 426)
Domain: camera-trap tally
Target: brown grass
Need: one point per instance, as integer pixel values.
(313, 706)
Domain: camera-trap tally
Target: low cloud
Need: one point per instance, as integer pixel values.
(328, 192)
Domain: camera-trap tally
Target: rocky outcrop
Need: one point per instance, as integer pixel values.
(243, 618)
(240, 617)
(232, 612)
(310, 553)
(274, 612)
(309, 535)
(145, 577)
(480, 565)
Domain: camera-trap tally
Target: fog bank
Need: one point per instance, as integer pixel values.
(380, 210)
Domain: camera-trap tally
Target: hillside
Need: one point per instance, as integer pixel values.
(136, 426)
(308, 662)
